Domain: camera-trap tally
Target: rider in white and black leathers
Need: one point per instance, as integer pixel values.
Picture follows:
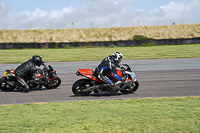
(27, 70)
(108, 65)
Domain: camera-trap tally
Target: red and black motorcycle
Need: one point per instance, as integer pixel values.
(46, 76)
(85, 86)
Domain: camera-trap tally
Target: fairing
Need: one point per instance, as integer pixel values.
(90, 75)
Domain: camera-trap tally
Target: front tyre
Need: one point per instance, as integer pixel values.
(80, 85)
(132, 89)
(54, 83)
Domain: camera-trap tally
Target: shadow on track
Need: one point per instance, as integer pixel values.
(108, 94)
(32, 90)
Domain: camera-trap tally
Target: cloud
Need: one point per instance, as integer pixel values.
(38, 18)
(182, 10)
(103, 13)
(4, 9)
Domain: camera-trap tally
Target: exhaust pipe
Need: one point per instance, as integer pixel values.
(90, 89)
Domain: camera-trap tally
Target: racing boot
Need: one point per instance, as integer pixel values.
(24, 90)
(109, 87)
(24, 86)
(98, 89)
(112, 89)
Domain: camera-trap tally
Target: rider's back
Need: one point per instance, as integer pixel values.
(25, 69)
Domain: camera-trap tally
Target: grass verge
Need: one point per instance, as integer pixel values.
(98, 53)
(100, 34)
(166, 115)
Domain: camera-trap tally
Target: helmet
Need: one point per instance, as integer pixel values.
(117, 56)
(37, 60)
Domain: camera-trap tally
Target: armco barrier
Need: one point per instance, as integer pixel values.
(100, 43)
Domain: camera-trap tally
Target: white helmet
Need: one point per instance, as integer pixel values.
(117, 56)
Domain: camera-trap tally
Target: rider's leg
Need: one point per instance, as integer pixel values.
(25, 86)
(108, 83)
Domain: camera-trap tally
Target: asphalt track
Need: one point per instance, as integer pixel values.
(157, 78)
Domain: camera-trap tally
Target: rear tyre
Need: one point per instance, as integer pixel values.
(80, 85)
(5, 86)
(132, 89)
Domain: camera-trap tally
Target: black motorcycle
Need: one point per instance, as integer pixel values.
(46, 77)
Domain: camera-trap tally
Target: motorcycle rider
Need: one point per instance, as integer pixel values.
(27, 70)
(108, 65)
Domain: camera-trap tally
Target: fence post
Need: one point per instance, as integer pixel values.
(30, 26)
(92, 24)
(51, 26)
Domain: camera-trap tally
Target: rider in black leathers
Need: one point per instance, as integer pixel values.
(26, 71)
(108, 65)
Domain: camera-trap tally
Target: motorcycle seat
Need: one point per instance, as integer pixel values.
(93, 73)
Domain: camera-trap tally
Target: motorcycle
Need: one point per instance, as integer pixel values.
(46, 77)
(85, 86)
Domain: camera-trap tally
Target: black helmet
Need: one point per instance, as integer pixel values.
(117, 56)
(37, 60)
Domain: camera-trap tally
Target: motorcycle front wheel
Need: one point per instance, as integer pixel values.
(54, 83)
(5, 86)
(79, 86)
(132, 89)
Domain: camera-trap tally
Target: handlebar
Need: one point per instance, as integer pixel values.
(45, 67)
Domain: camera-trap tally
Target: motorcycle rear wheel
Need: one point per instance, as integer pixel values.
(79, 86)
(6, 87)
(129, 90)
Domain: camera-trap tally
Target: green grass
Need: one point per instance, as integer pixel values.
(165, 115)
(98, 53)
(159, 115)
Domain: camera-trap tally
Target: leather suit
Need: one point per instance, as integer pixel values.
(25, 71)
(104, 68)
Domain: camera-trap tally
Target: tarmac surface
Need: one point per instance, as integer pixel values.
(157, 78)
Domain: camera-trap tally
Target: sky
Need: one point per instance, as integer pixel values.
(65, 14)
